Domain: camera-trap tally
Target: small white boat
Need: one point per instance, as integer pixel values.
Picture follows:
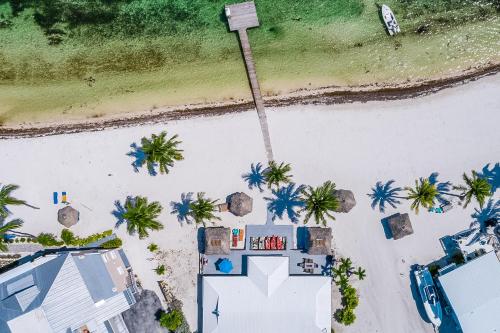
(390, 20)
(429, 295)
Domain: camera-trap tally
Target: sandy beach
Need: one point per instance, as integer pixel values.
(354, 145)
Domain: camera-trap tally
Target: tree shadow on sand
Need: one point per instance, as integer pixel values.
(119, 212)
(286, 200)
(490, 212)
(182, 208)
(385, 194)
(442, 188)
(255, 178)
(140, 159)
(493, 176)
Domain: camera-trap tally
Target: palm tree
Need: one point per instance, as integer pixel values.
(14, 224)
(141, 216)
(423, 194)
(475, 187)
(320, 202)
(360, 273)
(202, 209)
(346, 265)
(6, 199)
(276, 174)
(159, 150)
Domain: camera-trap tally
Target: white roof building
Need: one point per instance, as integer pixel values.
(268, 299)
(473, 291)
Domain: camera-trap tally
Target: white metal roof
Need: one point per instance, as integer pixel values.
(473, 291)
(267, 300)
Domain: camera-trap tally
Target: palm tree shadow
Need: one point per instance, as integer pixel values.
(489, 213)
(384, 194)
(182, 208)
(442, 188)
(118, 213)
(255, 178)
(286, 200)
(493, 176)
(140, 159)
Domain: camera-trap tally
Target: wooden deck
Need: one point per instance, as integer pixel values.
(240, 17)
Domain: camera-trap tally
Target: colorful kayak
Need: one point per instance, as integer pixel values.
(429, 296)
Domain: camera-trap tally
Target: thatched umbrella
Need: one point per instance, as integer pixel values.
(68, 216)
(240, 204)
(319, 241)
(346, 200)
(400, 225)
(217, 240)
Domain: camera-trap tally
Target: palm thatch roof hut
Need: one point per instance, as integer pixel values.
(68, 216)
(400, 225)
(346, 200)
(240, 204)
(319, 241)
(217, 240)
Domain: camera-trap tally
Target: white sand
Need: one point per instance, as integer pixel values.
(354, 145)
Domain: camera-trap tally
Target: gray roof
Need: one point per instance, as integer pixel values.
(346, 200)
(400, 225)
(96, 276)
(240, 204)
(65, 286)
(217, 240)
(319, 241)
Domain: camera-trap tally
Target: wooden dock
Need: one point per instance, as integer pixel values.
(240, 17)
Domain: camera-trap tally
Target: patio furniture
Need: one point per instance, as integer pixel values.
(241, 234)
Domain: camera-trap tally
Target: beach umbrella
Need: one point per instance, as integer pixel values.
(68, 216)
(346, 200)
(240, 204)
(225, 266)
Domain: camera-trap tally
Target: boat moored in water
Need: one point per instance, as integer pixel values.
(390, 20)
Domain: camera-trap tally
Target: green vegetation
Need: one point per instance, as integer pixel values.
(160, 151)
(475, 187)
(320, 202)
(423, 194)
(153, 247)
(70, 239)
(142, 216)
(277, 174)
(202, 209)
(160, 269)
(6, 199)
(172, 320)
(6, 227)
(350, 300)
(48, 239)
(112, 243)
(86, 58)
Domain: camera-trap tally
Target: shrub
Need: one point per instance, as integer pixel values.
(160, 270)
(47, 239)
(68, 237)
(433, 269)
(350, 299)
(172, 320)
(458, 258)
(346, 316)
(16, 240)
(112, 243)
(153, 247)
(22, 240)
(29, 240)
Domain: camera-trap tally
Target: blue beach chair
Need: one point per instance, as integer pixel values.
(55, 197)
